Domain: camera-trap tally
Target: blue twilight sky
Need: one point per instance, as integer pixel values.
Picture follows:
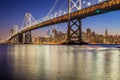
(13, 11)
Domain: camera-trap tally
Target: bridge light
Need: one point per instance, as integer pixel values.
(64, 12)
(84, 2)
(55, 15)
(59, 14)
(89, 4)
(100, 0)
(98, 11)
(60, 11)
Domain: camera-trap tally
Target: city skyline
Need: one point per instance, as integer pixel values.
(57, 37)
(14, 14)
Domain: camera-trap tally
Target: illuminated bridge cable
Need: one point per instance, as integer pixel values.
(28, 20)
(59, 11)
(55, 26)
(62, 5)
(52, 7)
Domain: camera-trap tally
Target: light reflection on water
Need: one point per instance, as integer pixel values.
(53, 62)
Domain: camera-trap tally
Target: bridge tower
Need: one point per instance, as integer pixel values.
(28, 22)
(15, 30)
(74, 33)
(12, 32)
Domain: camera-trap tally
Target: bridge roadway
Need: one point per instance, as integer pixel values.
(104, 7)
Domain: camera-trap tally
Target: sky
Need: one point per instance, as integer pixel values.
(12, 12)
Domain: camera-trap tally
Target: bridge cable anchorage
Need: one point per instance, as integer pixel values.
(28, 20)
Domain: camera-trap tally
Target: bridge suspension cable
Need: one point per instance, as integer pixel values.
(15, 28)
(62, 5)
(52, 8)
(59, 13)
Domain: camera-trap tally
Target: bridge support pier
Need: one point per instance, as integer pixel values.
(24, 38)
(74, 34)
(14, 40)
(20, 38)
(28, 38)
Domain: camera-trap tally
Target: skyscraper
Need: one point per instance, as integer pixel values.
(106, 36)
(54, 32)
(106, 33)
(88, 31)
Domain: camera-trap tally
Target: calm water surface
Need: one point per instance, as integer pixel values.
(59, 62)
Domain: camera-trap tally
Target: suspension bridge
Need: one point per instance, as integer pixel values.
(77, 10)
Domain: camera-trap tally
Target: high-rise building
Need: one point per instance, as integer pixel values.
(54, 32)
(88, 31)
(106, 36)
(49, 33)
(106, 33)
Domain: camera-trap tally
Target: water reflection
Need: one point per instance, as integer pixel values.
(53, 62)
